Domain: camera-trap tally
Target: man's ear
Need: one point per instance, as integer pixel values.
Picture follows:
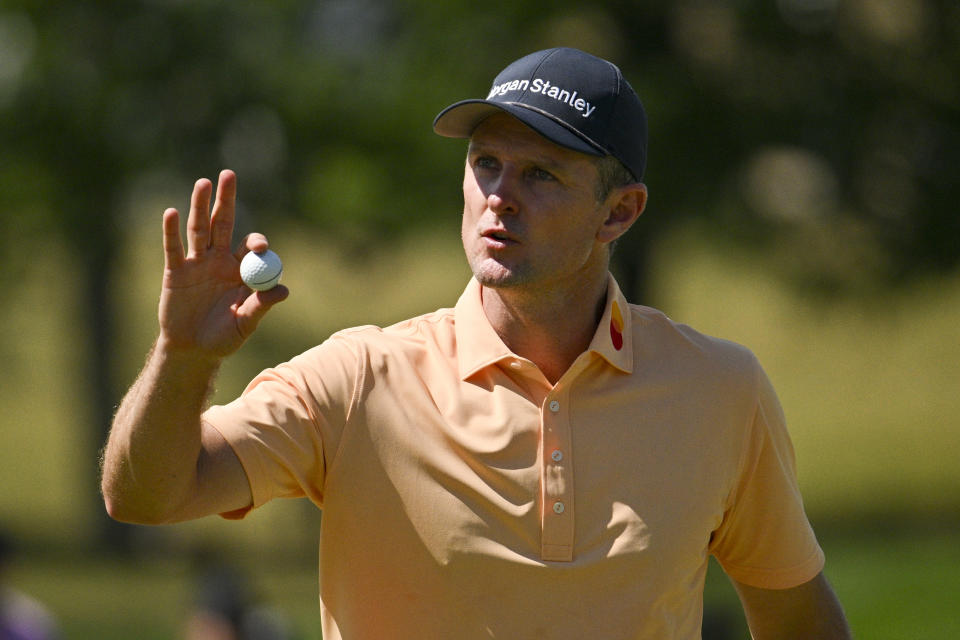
(625, 206)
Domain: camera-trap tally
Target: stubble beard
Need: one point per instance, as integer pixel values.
(495, 275)
(489, 271)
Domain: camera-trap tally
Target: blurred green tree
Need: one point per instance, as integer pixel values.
(826, 133)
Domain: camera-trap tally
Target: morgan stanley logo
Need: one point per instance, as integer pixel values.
(538, 85)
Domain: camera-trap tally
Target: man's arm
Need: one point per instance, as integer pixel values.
(160, 463)
(810, 611)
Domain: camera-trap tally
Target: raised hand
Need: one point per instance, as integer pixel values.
(204, 306)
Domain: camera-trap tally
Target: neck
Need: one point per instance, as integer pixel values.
(551, 330)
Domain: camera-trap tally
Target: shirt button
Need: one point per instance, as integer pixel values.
(557, 455)
(554, 406)
(558, 507)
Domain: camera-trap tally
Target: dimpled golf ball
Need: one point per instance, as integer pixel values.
(261, 271)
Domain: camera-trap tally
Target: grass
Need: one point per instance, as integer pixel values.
(869, 388)
(109, 597)
(901, 586)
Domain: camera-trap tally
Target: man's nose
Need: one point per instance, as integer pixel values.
(503, 197)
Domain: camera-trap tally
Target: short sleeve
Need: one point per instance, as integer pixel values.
(285, 427)
(765, 539)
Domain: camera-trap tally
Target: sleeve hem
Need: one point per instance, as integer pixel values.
(779, 578)
(251, 468)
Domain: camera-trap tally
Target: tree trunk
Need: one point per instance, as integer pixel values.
(103, 393)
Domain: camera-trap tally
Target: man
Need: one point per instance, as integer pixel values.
(543, 460)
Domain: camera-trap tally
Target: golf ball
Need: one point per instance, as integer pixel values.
(261, 271)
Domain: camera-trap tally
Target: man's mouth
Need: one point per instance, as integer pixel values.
(499, 236)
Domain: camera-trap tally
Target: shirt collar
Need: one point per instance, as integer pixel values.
(479, 346)
(613, 340)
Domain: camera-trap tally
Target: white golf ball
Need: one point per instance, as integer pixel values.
(261, 271)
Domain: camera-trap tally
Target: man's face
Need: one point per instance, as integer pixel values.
(530, 214)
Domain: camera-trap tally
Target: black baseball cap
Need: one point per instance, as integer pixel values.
(570, 97)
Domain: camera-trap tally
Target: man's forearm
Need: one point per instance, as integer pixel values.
(150, 460)
(810, 611)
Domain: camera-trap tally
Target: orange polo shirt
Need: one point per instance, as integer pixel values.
(464, 496)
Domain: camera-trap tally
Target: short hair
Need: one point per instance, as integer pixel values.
(611, 173)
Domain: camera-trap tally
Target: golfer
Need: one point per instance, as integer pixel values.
(542, 460)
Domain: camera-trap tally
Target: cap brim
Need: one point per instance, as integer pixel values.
(461, 118)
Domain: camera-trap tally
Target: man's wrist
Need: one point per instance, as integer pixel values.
(168, 355)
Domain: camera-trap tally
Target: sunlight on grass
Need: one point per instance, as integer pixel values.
(870, 388)
(45, 466)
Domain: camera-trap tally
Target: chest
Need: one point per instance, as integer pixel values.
(581, 472)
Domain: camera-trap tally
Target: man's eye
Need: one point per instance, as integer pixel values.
(485, 162)
(542, 174)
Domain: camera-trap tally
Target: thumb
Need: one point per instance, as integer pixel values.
(252, 310)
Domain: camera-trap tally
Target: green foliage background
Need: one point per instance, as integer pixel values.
(803, 188)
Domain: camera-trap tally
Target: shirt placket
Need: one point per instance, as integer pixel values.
(557, 505)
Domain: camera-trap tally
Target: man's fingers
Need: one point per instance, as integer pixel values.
(198, 222)
(224, 208)
(256, 242)
(256, 305)
(172, 245)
